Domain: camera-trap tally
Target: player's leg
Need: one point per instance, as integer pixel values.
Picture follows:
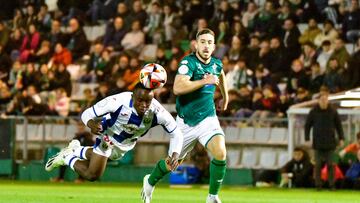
(213, 139)
(216, 146)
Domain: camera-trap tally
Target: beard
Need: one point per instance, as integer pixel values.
(202, 57)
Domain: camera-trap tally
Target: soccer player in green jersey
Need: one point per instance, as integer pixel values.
(195, 83)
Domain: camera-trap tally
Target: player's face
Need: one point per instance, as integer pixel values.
(205, 46)
(142, 100)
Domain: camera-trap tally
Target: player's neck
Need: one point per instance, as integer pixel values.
(205, 61)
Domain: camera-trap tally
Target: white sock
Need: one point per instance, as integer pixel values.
(80, 152)
(70, 161)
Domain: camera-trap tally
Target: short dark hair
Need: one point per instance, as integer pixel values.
(326, 43)
(324, 89)
(204, 31)
(139, 85)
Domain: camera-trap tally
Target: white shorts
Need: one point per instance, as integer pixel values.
(203, 131)
(107, 146)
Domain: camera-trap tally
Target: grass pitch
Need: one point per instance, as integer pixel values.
(43, 192)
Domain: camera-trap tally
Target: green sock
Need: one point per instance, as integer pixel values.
(217, 174)
(158, 173)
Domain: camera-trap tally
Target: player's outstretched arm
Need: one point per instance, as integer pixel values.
(224, 91)
(184, 85)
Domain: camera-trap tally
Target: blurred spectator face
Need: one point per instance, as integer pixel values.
(30, 10)
(339, 44)
(333, 64)
(235, 43)
(31, 90)
(312, 23)
(308, 50)
(301, 93)
(120, 83)
(60, 93)
(87, 93)
(251, 7)
(285, 9)
(224, 5)
(137, 7)
(265, 46)
(134, 63)
(55, 26)
(244, 91)
(43, 10)
(98, 48)
(326, 48)
(202, 24)
(58, 48)
(61, 68)
(205, 45)
(259, 73)
(32, 29)
(238, 27)
(121, 8)
(354, 5)
(174, 65)
(257, 95)
(44, 69)
(268, 6)
(288, 25)
(155, 8)
(118, 23)
(17, 34)
(135, 26)
(254, 42)
(74, 25)
(274, 43)
(123, 62)
(222, 26)
(328, 26)
(30, 68)
(241, 64)
(16, 66)
(167, 10)
(160, 53)
(296, 66)
(315, 69)
(103, 89)
(267, 92)
(298, 155)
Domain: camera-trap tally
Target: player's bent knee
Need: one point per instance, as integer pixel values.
(92, 176)
(220, 154)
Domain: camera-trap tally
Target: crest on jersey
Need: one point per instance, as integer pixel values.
(130, 128)
(183, 69)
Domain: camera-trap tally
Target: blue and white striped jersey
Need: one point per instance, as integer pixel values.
(121, 121)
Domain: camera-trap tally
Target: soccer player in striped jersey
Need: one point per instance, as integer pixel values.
(125, 118)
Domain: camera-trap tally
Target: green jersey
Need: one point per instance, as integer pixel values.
(195, 106)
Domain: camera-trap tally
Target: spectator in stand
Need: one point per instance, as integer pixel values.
(310, 33)
(151, 29)
(5, 64)
(201, 23)
(137, 13)
(223, 13)
(302, 95)
(237, 50)
(93, 64)
(55, 35)
(44, 81)
(352, 176)
(30, 17)
(308, 57)
(18, 21)
(328, 33)
(353, 68)
(77, 41)
(277, 66)
(324, 120)
(61, 55)
(132, 74)
(259, 79)
(240, 31)
(316, 78)
(299, 170)
(249, 15)
(30, 43)
(340, 53)
(324, 55)
(297, 77)
(102, 92)
(30, 76)
(62, 79)
(135, 39)
(43, 55)
(124, 13)
(43, 19)
(160, 57)
(115, 32)
(238, 75)
(169, 16)
(290, 38)
(14, 44)
(351, 22)
(332, 78)
(264, 54)
(285, 13)
(267, 107)
(61, 103)
(4, 34)
(265, 22)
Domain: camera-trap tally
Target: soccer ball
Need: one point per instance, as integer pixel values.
(153, 76)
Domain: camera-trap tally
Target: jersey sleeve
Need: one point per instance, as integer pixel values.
(164, 118)
(185, 68)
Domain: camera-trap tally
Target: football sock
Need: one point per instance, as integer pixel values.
(80, 152)
(158, 172)
(217, 174)
(70, 161)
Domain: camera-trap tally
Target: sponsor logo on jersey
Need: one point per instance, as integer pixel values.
(130, 128)
(199, 66)
(184, 62)
(214, 67)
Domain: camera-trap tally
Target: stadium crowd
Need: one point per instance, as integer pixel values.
(275, 54)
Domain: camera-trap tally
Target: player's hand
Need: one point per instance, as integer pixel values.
(94, 126)
(210, 79)
(173, 161)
